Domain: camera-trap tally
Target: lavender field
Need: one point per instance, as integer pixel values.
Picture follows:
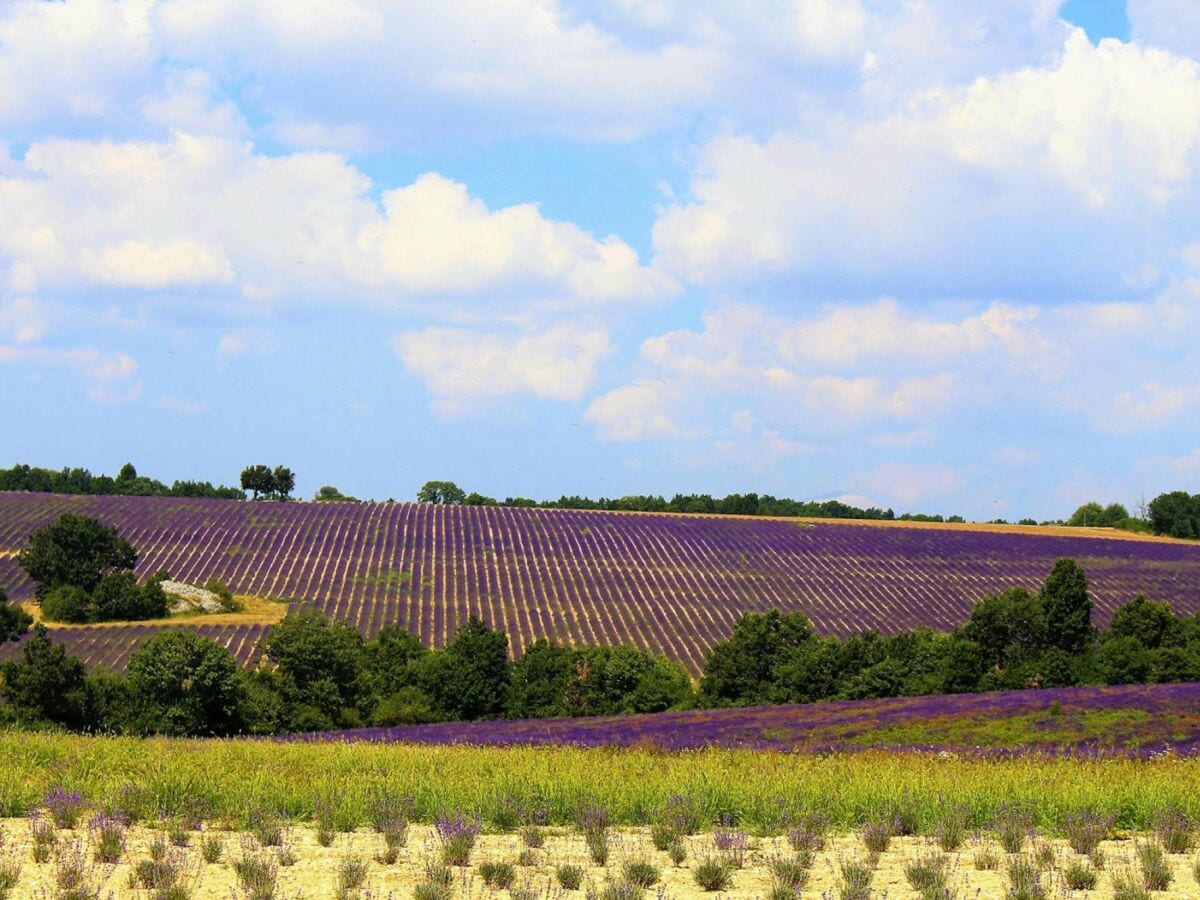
(1127, 720)
(670, 584)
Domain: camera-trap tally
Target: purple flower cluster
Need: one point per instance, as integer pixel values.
(1171, 724)
(65, 807)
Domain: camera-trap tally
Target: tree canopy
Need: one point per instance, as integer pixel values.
(77, 551)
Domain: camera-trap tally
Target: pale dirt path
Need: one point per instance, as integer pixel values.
(314, 874)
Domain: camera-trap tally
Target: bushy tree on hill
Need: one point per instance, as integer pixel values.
(181, 683)
(46, 685)
(82, 572)
(1176, 514)
(14, 621)
(76, 550)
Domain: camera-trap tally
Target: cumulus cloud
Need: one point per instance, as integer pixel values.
(1171, 24)
(107, 377)
(643, 410)
(1091, 159)
(462, 367)
(199, 211)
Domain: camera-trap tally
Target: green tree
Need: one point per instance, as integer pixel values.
(470, 678)
(1067, 608)
(14, 621)
(742, 670)
(1176, 513)
(258, 479)
(67, 603)
(321, 665)
(118, 597)
(284, 481)
(444, 492)
(1151, 624)
(1007, 627)
(329, 494)
(75, 550)
(45, 684)
(183, 684)
(539, 679)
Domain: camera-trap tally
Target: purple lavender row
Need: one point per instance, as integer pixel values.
(670, 584)
(1170, 724)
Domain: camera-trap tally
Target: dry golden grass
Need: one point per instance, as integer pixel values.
(254, 611)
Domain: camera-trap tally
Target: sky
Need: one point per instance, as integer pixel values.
(923, 254)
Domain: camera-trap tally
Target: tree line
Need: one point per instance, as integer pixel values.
(752, 504)
(316, 675)
(126, 483)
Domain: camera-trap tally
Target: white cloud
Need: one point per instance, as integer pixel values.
(1091, 159)
(23, 320)
(643, 410)
(108, 377)
(911, 485)
(1151, 405)
(145, 265)
(1016, 457)
(245, 342)
(461, 367)
(1171, 24)
(75, 59)
(293, 227)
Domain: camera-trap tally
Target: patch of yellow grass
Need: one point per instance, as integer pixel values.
(254, 611)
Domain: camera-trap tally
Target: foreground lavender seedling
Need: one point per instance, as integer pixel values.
(74, 877)
(1024, 879)
(856, 877)
(808, 832)
(43, 837)
(1085, 829)
(730, 844)
(65, 807)
(458, 839)
(1175, 829)
(107, 834)
(1013, 826)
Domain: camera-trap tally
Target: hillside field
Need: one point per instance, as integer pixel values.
(672, 584)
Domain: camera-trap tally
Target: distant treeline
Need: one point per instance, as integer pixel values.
(448, 492)
(127, 483)
(317, 675)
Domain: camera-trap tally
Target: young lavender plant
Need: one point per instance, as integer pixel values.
(107, 833)
(74, 877)
(730, 844)
(351, 877)
(458, 839)
(1175, 829)
(1012, 825)
(10, 868)
(1024, 880)
(1085, 829)
(951, 827)
(257, 873)
(65, 807)
(389, 818)
(808, 832)
(267, 826)
(856, 879)
(1156, 872)
(595, 833)
(43, 837)
(877, 836)
(323, 815)
(569, 876)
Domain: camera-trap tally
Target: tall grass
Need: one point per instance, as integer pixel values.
(149, 779)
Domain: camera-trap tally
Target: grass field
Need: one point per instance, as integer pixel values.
(233, 778)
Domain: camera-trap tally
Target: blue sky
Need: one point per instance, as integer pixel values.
(936, 256)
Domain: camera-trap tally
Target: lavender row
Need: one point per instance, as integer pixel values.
(1164, 719)
(110, 646)
(669, 584)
